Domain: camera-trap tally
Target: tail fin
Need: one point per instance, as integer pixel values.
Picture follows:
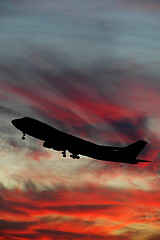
(135, 148)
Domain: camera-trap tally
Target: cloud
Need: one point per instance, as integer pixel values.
(131, 128)
(112, 215)
(143, 5)
(8, 225)
(7, 111)
(91, 115)
(69, 235)
(93, 75)
(73, 102)
(154, 237)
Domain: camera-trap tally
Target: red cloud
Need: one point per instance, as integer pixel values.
(37, 155)
(94, 210)
(90, 213)
(76, 109)
(127, 119)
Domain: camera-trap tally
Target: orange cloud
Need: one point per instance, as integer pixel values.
(93, 213)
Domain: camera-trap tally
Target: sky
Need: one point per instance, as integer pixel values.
(89, 68)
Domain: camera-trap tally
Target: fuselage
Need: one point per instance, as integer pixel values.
(46, 133)
(61, 141)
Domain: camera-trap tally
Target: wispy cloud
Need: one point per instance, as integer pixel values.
(91, 69)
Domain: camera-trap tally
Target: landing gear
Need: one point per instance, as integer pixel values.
(64, 153)
(23, 137)
(74, 156)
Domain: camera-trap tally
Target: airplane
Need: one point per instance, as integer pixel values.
(61, 141)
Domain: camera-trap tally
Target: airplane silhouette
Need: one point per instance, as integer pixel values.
(60, 141)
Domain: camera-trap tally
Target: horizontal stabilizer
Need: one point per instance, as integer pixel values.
(139, 160)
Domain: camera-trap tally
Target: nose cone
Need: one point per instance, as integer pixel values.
(15, 122)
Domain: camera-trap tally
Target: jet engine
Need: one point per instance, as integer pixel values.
(52, 145)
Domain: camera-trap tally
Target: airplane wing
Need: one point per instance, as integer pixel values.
(71, 143)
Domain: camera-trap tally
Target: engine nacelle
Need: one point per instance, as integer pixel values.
(51, 145)
(47, 145)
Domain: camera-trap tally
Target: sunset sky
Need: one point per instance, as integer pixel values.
(92, 69)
